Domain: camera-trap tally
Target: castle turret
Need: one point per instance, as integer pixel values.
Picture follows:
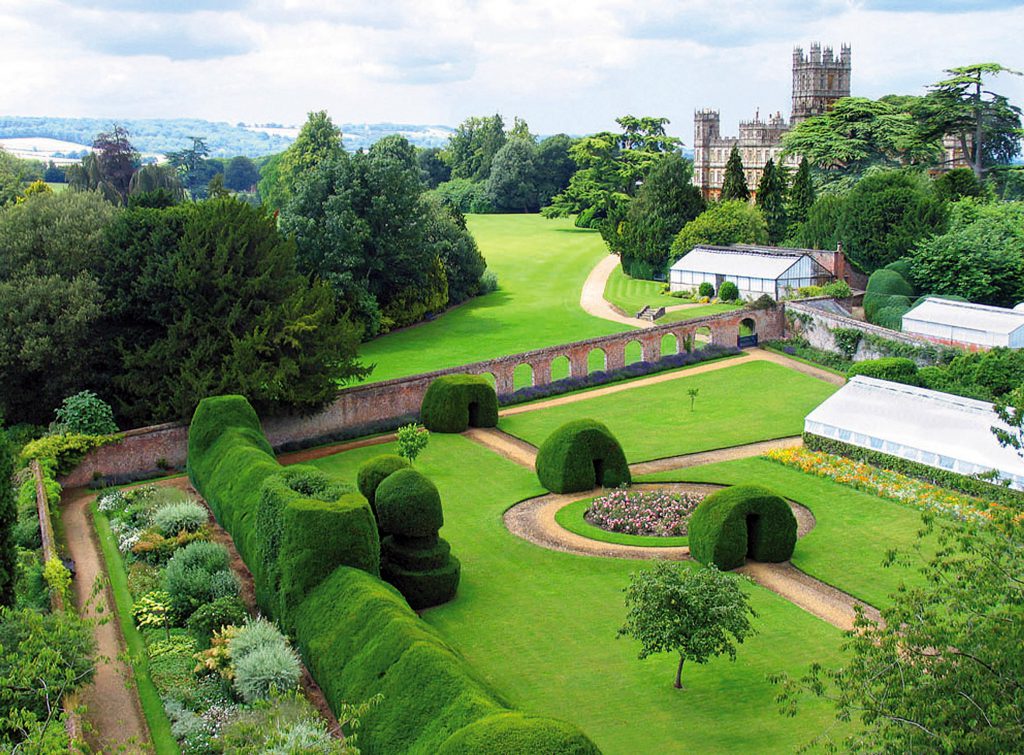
(819, 79)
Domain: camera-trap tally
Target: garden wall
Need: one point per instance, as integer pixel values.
(362, 409)
(816, 325)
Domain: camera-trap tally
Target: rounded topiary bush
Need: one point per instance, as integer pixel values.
(728, 291)
(581, 455)
(742, 521)
(886, 288)
(374, 472)
(453, 403)
(705, 289)
(424, 588)
(515, 732)
(409, 505)
(897, 369)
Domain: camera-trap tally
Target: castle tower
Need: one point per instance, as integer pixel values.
(706, 132)
(819, 79)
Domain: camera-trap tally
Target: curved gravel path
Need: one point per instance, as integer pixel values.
(592, 296)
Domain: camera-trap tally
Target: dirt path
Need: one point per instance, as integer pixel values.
(806, 369)
(592, 296)
(503, 444)
(709, 457)
(113, 709)
(309, 454)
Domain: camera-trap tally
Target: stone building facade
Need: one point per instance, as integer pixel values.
(819, 79)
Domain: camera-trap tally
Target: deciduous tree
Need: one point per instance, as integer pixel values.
(722, 224)
(512, 185)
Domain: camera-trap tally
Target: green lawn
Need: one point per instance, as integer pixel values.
(744, 403)
(541, 266)
(540, 626)
(633, 294)
(702, 311)
(854, 530)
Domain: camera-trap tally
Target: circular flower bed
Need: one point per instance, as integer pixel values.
(632, 512)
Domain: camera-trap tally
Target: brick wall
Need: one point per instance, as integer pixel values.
(364, 408)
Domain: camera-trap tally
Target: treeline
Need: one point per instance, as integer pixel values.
(154, 301)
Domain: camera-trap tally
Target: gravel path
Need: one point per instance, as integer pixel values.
(592, 296)
(710, 457)
(113, 711)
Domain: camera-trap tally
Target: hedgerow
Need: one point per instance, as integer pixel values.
(720, 527)
(453, 403)
(896, 369)
(581, 455)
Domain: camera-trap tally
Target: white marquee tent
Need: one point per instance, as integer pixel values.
(937, 429)
(964, 322)
(755, 271)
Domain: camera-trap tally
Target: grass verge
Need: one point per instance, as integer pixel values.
(152, 708)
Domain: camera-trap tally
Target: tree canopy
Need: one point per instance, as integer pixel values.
(734, 184)
(722, 224)
(771, 198)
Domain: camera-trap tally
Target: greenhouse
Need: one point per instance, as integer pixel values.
(937, 429)
(754, 270)
(966, 323)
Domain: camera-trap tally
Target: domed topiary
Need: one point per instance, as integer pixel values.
(581, 455)
(728, 291)
(453, 403)
(741, 521)
(409, 505)
(374, 472)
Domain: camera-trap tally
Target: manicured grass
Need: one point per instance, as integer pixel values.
(854, 530)
(540, 627)
(571, 517)
(152, 708)
(633, 294)
(704, 310)
(541, 266)
(744, 403)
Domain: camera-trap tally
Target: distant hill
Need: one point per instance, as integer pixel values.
(158, 136)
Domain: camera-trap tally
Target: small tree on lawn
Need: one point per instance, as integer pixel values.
(698, 613)
(692, 393)
(412, 439)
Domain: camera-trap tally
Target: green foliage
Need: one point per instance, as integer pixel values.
(886, 288)
(241, 174)
(665, 203)
(8, 522)
(721, 225)
(740, 522)
(472, 148)
(896, 369)
(58, 579)
(954, 185)
(179, 516)
(360, 639)
(801, 195)
(374, 472)
(820, 229)
(453, 403)
(457, 250)
(581, 455)
(891, 316)
(837, 289)
(65, 450)
(463, 194)
(511, 186)
(412, 439)
(734, 183)
(940, 670)
(153, 611)
(423, 588)
(263, 670)
(706, 289)
(698, 613)
(771, 198)
(208, 618)
(85, 413)
(198, 574)
(514, 732)
(408, 504)
(980, 257)
(727, 291)
(288, 723)
(885, 215)
(847, 340)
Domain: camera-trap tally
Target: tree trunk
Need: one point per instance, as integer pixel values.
(679, 672)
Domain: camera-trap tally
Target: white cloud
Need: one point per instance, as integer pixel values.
(568, 66)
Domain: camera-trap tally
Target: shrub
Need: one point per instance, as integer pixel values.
(891, 316)
(409, 505)
(411, 440)
(86, 413)
(515, 732)
(284, 723)
(254, 634)
(728, 291)
(374, 472)
(581, 455)
(705, 289)
(886, 288)
(741, 521)
(198, 574)
(901, 267)
(454, 402)
(172, 518)
(265, 669)
(837, 290)
(207, 619)
(423, 588)
(897, 369)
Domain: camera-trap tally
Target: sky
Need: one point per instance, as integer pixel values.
(563, 65)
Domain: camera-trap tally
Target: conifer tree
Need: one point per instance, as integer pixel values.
(734, 185)
(801, 193)
(771, 198)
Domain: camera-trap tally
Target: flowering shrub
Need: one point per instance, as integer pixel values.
(631, 512)
(881, 482)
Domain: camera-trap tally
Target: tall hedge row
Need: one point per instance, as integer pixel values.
(581, 455)
(361, 639)
(741, 521)
(453, 403)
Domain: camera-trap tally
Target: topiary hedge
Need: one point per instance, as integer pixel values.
(741, 521)
(581, 455)
(372, 474)
(360, 639)
(453, 403)
(409, 504)
(886, 288)
(896, 369)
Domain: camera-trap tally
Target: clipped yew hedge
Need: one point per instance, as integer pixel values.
(454, 403)
(720, 527)
(360, 639)
(373, 472)
(409, 504)
(581, 455)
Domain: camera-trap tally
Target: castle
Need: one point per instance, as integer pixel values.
(819, 79)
